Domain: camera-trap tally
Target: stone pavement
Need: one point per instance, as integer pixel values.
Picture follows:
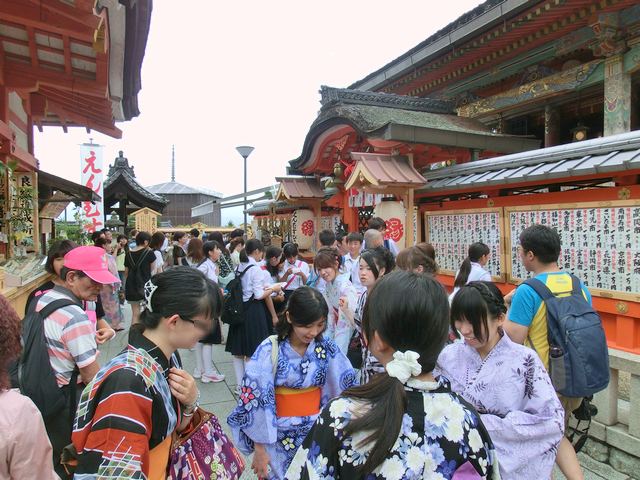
(219, 399)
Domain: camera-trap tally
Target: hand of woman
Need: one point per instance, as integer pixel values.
(104, 334)
(343, 303)
(260, 464)
(276, 287)
(183, 386)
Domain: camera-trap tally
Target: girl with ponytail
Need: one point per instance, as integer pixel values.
(472, 268)
(406, 422)
(505, 381)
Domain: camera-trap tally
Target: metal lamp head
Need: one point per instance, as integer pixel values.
(244, 150)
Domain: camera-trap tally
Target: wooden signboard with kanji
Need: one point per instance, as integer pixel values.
(146, 220)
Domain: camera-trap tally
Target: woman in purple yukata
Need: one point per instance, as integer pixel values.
(290, 377)
(506, 382)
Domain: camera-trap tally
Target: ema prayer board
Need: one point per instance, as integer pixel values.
(600, 244)
(452, 232)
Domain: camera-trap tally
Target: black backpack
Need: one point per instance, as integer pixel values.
(32, 372)
(578, 353)
(233, 311)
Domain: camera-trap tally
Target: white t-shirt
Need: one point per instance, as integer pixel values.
(296, 280)
(158, 265)
(210, 269)
(352, 266)
(254, 281)
(477, 274)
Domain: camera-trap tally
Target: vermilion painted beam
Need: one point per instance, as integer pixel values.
(21, 76)
(8, 146)
(17, 11)
(85, 121)
(82, 15)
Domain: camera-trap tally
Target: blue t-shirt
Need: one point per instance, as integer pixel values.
(528, 309)
(526, 302)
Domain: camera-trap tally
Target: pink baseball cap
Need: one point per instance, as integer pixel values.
(93, 262)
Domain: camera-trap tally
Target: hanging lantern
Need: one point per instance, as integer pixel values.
(303, 228)
(394, 214)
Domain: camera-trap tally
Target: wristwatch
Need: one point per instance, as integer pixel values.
(188, 410)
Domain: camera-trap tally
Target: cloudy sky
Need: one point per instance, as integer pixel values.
(221, 74)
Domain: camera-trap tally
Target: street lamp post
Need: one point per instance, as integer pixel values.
(244, 152)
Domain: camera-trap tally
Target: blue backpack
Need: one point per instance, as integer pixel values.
(578, 353)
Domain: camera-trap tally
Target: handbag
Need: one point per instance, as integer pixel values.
(224, 281)
(202, 450)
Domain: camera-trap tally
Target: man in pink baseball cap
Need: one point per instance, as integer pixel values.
(93, 262)
(71, 335)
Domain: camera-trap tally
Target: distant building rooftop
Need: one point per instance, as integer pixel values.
(175, 188)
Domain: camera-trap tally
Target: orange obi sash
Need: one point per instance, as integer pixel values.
(159, 459)
(297, 402)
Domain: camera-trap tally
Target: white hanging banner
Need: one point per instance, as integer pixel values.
(91, 176)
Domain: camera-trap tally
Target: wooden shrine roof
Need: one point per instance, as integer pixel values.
(495, 32)
(299, 188)
(395, 118)
(76, 62)
(121, 183)
(52, 184)
(376, 171)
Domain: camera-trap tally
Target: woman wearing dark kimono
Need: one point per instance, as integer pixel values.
(405, 423)
(128, 413)
(506, 382)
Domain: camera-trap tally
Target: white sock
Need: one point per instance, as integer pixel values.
(207, 359)
(238, 367)
(199, 363)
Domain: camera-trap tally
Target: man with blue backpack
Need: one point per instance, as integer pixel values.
(552, 314)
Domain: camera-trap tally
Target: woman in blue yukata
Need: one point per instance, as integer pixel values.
(506, 382)
(286, 383)
(405, 423)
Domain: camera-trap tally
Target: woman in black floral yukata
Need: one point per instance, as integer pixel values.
(404, 423)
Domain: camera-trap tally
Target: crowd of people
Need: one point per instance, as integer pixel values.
(359, 365)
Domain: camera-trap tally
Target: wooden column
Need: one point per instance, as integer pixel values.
(617, 96)
(317, 220)
(551, 127)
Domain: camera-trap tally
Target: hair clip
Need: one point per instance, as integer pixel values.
(149, 288)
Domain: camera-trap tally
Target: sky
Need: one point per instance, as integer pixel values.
(221, 74)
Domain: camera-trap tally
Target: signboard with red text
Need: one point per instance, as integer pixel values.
(92, 175)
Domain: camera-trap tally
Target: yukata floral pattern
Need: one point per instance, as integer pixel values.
(441, 438)
(517, 404)
(254, 419)
(339, 327)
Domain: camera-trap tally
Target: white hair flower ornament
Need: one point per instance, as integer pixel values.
(404, 365)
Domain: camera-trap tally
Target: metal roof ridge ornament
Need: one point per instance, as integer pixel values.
(331, 96)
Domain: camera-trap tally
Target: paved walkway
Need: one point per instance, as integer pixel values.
(219, 399)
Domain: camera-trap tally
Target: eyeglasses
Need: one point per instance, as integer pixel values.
(207, 328)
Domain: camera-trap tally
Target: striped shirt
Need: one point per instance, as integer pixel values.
(70, 335)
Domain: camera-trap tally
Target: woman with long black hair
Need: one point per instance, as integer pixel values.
(405, 423)
(129, 411)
